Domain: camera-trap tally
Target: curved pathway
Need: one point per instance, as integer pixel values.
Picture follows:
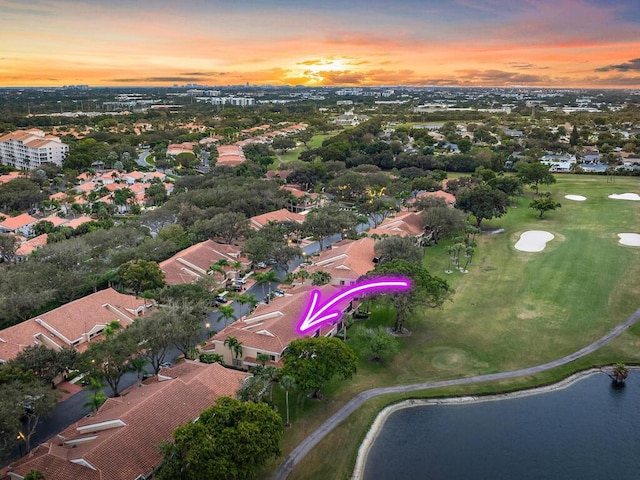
(356, 402)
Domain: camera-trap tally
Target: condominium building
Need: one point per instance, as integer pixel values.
(30, 149)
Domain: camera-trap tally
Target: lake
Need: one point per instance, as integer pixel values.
(588, 430)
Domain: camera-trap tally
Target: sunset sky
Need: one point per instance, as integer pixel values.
(558, 43)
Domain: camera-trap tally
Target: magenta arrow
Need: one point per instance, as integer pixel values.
(314, 316)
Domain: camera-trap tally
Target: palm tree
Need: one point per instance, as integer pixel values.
(287, 383)
(237, 266)
(263, 358)
(620, 373)
(267, 277)
(235, 346)
(227, 313)
(110, 329)
(95, 401)
(218, 268)
(270, 375)
(137, 364)
(247, 299)
(302, 275)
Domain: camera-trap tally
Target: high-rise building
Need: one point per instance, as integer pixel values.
(30, 149)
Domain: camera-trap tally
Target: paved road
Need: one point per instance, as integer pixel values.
(142, 159)
(298, 453)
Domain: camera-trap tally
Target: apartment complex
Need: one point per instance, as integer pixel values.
(30, 149)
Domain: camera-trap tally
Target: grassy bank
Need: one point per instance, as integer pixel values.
(512, 310)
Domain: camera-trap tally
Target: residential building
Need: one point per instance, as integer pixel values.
(346, 261)
(270, 328)
(449, 199)
(120, 442)
(27, 247)
(30, 149)
(230, 155)
(404, 224)
(20, 224)
(193, 262)
(73, 324)
(282, 215)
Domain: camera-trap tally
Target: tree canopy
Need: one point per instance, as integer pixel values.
(231, 440)
(314, 361)
(425, 289)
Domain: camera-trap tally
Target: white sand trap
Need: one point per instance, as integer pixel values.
(533, 241)
(630, 239)
(625, 196)
(577, 198)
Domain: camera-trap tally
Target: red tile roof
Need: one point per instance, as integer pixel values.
(281, 215)
(447, 197)
(270, 328)
(71, 322)
(348, 259)
(128, 429)
(13, 223)
(193, 262)
(403, 224)
(29, 246)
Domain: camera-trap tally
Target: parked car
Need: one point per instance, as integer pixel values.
(261, 265)
(237, 287)
(221, 299)
(278, 293)
(166, 365)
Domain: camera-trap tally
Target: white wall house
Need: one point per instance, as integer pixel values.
(30, 149)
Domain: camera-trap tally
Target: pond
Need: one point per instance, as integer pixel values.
(588, 430)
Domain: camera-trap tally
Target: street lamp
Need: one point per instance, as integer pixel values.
(208, 325)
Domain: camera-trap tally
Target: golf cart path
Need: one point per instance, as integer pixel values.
(298, 453)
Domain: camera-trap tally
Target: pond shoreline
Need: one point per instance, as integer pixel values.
(383, 415)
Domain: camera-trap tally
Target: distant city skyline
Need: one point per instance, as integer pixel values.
(561, 43)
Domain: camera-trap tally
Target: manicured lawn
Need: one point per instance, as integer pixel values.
(512, 310)
(315, 142)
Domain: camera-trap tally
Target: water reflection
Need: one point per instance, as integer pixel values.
(589, 430)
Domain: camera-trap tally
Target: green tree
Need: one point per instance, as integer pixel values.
(378, 344)
(46, 363)
(266, 278)
(377, 209)
(287, 383)
(227, 313)
(544, 204)
(314, 361)
(441, 221)
(235, 346)
(320, 277)
(619, 373)
(398, 248)
(138, 364)
(283, 144)
(95, 401)
(141, 275)
(247, 299)
(8, 245)
(328, 220)
(22, 406)
(34, 475)
(535, 174)
(425, 289)
(231, 440)
(483, 202)
(109, 359)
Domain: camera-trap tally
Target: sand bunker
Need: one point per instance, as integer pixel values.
(577, 198)
(630, 239)
(625, 196)
(533, 241)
